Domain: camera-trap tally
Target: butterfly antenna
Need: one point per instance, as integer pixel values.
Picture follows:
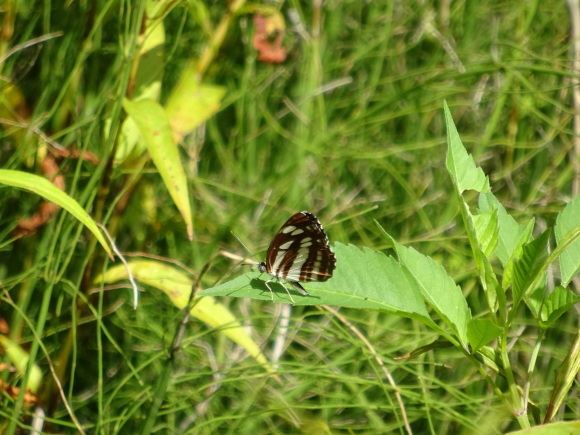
(248, 250)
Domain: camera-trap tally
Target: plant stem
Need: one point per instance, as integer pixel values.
(518, 407)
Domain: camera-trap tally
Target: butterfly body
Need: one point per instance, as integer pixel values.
(299, 253)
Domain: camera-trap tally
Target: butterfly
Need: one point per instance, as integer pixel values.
(299, 253)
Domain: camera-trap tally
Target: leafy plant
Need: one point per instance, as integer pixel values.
(173, 123)
(404, 284)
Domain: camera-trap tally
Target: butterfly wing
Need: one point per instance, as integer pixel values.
(300, 251)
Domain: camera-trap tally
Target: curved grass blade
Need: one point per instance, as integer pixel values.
(42, 187)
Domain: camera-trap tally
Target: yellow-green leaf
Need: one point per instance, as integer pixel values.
(155, 130)
(192, 103)
(19, 357)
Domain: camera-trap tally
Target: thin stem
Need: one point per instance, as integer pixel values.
(517, 405)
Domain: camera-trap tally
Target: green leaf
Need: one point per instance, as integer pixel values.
(566, 222)
(191, 102)
(152, 60)
(481, 332)
(527, 269)
(19, 358)
(147, 84)
(491, 359)
(493, 291)
(535, 302)
(510, 232)
(556, 304)
(438, 289)
(130, 147)
(465, 175)
(177, 286)
(460, 164)
(486, 229)
(559, 428)
(156, 132)
(42, 187)
(362, 279)
(516, 254)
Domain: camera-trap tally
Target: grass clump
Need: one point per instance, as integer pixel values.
(167, 124)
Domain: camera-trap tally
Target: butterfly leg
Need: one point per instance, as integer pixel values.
(269, 288)
(285, 288)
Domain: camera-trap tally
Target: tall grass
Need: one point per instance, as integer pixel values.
(350, 126)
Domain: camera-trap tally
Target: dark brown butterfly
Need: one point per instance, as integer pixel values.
(299, 253)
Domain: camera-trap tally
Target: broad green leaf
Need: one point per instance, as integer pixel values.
(535, 302)
(481, 332)
(510, 232)
(460, 164)
(362, 279)
(527, 268)
(567, 221)
(156, 133)
(466, 176)
(556, 304)
(559, 428)
(130, 146)
(177, 286)
(147, 86)
(493, 291)
(192, 102)
(151, 62)
(438, 289)
(516, 254)
(42, 187)
(486, 229)
(491, 359)
(19, 358)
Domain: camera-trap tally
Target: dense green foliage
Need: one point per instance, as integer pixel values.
(351, 127)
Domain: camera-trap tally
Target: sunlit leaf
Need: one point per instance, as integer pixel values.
(481, 332)
(527, 268)
(192, 102)
(559, 428)
(487, 231)
(438, 289)
(465, 175)
(510, 232)
(516, 253)
(155, 130)
(567, 221)
(556, 304)
(362, 279)
(19, 358)
(461, 166)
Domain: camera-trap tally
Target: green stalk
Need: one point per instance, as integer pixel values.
(518, 406)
